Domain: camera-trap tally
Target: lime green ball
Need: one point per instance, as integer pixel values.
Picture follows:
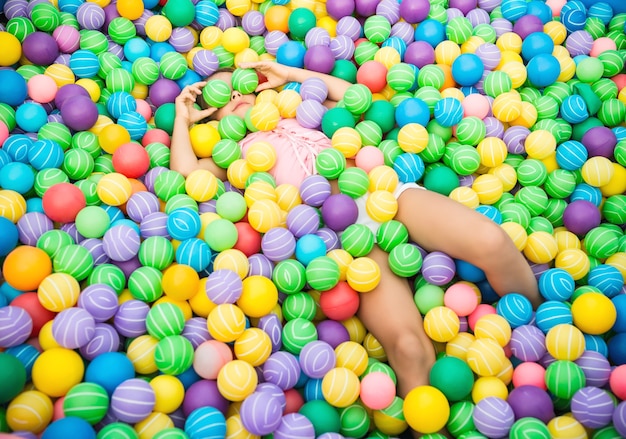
(564, 378)
(74, 260)
(173, 355)
(299, 306)
(405, 260)
(165, 319)
(460, 420)
(159, 154)
(88, 401)
(391, 234)
(297, 333)
(353, 182)
(122, 30)
(169, 183)
(357, 99)
(377, 28)
(110, 275)
(117, 430)
(92, 222)
(53, 240)
(231, 206)
(358, 240)
(322, 273)
(225, 152)
(78, 164)
(330, 163)
(614, 209)
(427, 297)
(232, 127)
(156, 252)
(245, 81)
(173, 65)
(355, 421)
(289, 276)
(365, 51)
(220, 234)
(145, 284)
(471, 130)
(216, 93)
(459, 30)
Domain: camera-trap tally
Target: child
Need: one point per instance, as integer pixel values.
(434, 221)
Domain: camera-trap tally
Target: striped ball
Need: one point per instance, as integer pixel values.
(264, 215)
(541, 247)
(58, 291)
(253, 346)
(206, 422)
(265, 117)
(100, 300)
(73, 328)
(261, 413)
(438, 268)
(90, 16)
(516, 309)
(84, 63)
(282, 369)
(114, 189)
(297, 333)
(88, 401)
(363, 274)
(565, 342)
(164, 319)
(173, 355)
(133, 400)
(486, 357)
(556, 284)
(130, 319)
(507, 106)
(495, 327)
(493, 416)
(310, 113)
(236, 380)
(405, 260)
(592, 407)
(441, 324)
(289, 276)
(340, 387)
(121, 243)
(566, 427)
(574, 261)
(16, 326)
(317, 358)
(105, 339)
(30, 410)
(226, 322)
(31, 226)
(294, 425)
(552, 313)
(287, 102)
(223, 286)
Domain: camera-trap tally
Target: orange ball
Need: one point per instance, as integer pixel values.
(277, 18)
(25, 267)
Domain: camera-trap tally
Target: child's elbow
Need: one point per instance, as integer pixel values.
(182, 169)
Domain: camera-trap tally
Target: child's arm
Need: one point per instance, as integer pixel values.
(279, 74)
(182, 157)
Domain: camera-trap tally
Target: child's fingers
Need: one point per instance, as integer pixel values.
(263, 86)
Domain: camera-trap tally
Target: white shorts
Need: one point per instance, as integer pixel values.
(365, 219)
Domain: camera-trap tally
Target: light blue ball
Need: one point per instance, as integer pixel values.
(596, 343)
(574, 109)
(571, 155)
(190, 77)
(206, 423)
(291, 54)
(409, 167)
(551, 313)
(543, 70)
(448, 111)
(207, 13)
(430, 31)
(17, 146)
(412, 110)
(607, 279)
(619, 302)
(157, 50)
(601, 10)
(516, 309)
(136, 48)
(34, 204)
(469, 272)
(109, 370)
(556, 284)
(31, 116)
(539, 9)
(183, 223)
(70, 6)
(490, 212)
(134, 123)
(467, 69)
(8, 236)
(194, 252)
(45, 153)
(69, 426)
(114, 212)
(537, 43)
(84, 63)
(17, 176)
(313, 390)
(120, 102)
(396, 43)
(309, 247)
(27, 354)
(584, 191)
(13, 89)
(513, 10)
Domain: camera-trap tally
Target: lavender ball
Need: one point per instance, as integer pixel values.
(223, 286)
(260, 265)
(16, 326)
(278, 244)
(282, 369)
(271, 325)
(314, 190)
(130, 319)
(105, 339)
(121, 243)
(31, 226)
(196, 331)
(73, 327)
(99, 300)
(96, 249)
(253, 22)
(133, 400)
(142, 204)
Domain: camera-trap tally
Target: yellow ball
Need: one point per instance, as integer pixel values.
(169, 393)
(593, 313)
(618, 260)
(12, 205)
(232, 259)
(575, 261)
(597, 171)
(488, 386)
(565, 342)
(343, 260)
(238, 7)
(183, 305)
(517, 72)
(457, 347)
(472, 44)
(112, 137)
(180, 282)
(253, 346)
(540, 144)
(485, 357)
(259, 190)
(348, 141)
(617, 183)
(238, 173)
(441, 324)
(341, 387)
(57, 370)
(387, 56)
(264, 215)
(363, 274)
(140, 352)
(151, 425)
(510, 41)
(381, 206)
(46, 340)
(356, 329)
(58, 291)
(203, 138)
(264, 116)
(261, 156)
(566, 239)
(11, 49)
(506, 374)
(287, 196)
(426, 409)
(517, 233)
(446, 52)
(267, 95)
(210, 37)
(384, 178)
(201, 185)
(235, 39)
(329, 24)
(351, 355)
(373, 348)
(488, 187)
(568, 69)
(390, 421)
(492, 151)
(413, 137)
(541, 247)
(466, 196)
(114, 189)
(200, 304)
(566, 427)
(258, 296)
(555, 30)
(528, 116)
(131, 9)
(92, 88)
(226, 322)
(29, 411)
(507, 106)
(61, 74)
(287, 101)
(495, 327)
(236, 380)
(236, 430)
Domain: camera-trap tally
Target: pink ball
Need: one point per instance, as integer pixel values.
(210, 357)
(461, 298)
(369, 157)
(481, 310)
(4, 132)
(602, 44)
(67, 38)
(529, 374)
(617, 381)
(476, 105)
(377, 390)
(144, 109)
(42, 88)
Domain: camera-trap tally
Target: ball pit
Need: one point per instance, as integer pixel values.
(135, 302)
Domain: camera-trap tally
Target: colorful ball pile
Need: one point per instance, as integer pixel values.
(139, 303)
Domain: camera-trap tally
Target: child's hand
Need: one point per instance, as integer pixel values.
(276, 74)
(185, 104)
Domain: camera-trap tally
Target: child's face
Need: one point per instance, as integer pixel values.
(239, 103)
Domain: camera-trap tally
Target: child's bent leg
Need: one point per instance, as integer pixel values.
(437, 222)
(390, 314)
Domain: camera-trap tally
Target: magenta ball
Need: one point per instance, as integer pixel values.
(105, 339)
(294, 426)
(261, 413)
(40, 48)
(317, 358)
(16, 326)
(338, 9)
(531, 401)
(223, 286)
(600, 141)
(414, 11)
(592, 407)
(163, 91)
(133, 400)
(339, 211)
(419, 53)
(527, 24)
(302, 220)
(204, 393)
(278, 244)
(580, 216)
(332, 332)
(99, 300)
(73, 328)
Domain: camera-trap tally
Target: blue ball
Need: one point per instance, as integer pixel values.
(574, 109)
(17, 176)
(183, 223)
(69, 426)
(27, 354)
(190, 77)
(45, 153)
(8, 236)
(126, 222)
(157, 50)
(70, 6)
(17, 146)
(84, 63)
(313, 390)
(206, 423)
(412, 110)
(409, 167)
(188, 377)
(468, 272)
(9, 292)
(620, 306)
(601, 10)
(207, 13)
(13, 89)
(551, 313)
(309, 247)
(467, 69)
(134, 123)
(490, 212)
(620, 133)
(617, 349)
(31, 116)
(571, 155)
(596, 343)
(543, 70)
(114, 212)
(120, 102)
(291, 54)
(396, 43)
(516, 309)
(584, 191)
(556, 284)
(194, 252)
(448, 111)
(487, 293)
(109, 370)
(136, 48)
(573, 20)
(574, 5)
(607, 279)
(4, 157)
(34, 204)
(430, 31)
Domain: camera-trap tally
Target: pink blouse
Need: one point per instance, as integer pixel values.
(296, 150)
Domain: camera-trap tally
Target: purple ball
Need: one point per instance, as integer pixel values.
(619, 418)
(302, 220)
(163, 91)
(390, 9)
(140, 23)
(141, 204)
(130, 319)
(580, 216)
(273, 40)
(110, 12)
(271, 325)
(205, 62)
(99, 300)
(40, 48)
(129, 266)
(282, 369)
(330, 238)
(260, 265)
(225, 19)
(342, 47)
(596, 368)
(253, 22)
(366, 8)
(453, 13)
(414, 11)
(204, 393)
(339, 211)
(121, 243)
(488, 5)
(154, 224)
(16, 326)
(314, 190)
(531, 401)
(332, 332)
(261, 413)
(31, 226)
(90, 16)
(489, 54)
(73, 327)
(579, 43)
(317, 36)
(464, 6)
(294, 426)
(317, 358)
(314, 88)
(592, 407)
(478, 16)
(501, 26)
(151, 175)
(527, 24)
(319, 59)
(600, 141)
(133, 400)
(338, 9)
(419, 53)
(116, 49)
(223, 286)
(438, 268)
(66, 91)
(105, 339)
(96, 249)
(493, 127)
(528, 343)
(79, 113)
(278, 244)
(514, 138)
(404, 31)
(196, 331)
(15, 8)
(70, 229)
(182, 39)
(493, 417)
(350, 27)
(273, 390)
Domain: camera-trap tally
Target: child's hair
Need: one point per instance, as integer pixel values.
(200, 99)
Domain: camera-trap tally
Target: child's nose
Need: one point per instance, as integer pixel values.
(235, 94)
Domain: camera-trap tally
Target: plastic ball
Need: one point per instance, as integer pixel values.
(441, 324)
(30, 410)
(422, 400)
(596, 304)
(57, 370)
(340, 387)
(25, 267)
(261, 413)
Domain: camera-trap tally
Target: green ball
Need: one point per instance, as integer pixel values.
(614, 209)
(534, 198)
(117, 430)
(612, 112)
(231, 206)
(383, 113)
(431, 75)
(395, 409)
(324, 417)
(453, 377)
(463, 159)
(45, 17)
(459, 30)
(355, 421)
(300, 21)
(164, 320)
(486, 32)
(224, 57)
(173, 355)
(370, 132)
(159, 154)
(104, 164)
(529, 94)
(365, 51)
(245, 81)
(558, 91)
(216, 93)
(121, 30)
(108, 62)
(358, 240)
(164, 117)
(92, 222)
(612, 62)
(173, 65)
(336, 118)
(378, 366)
(353, 182)
(391, 150)
(28, 71)
(78, 164)
(589, 69)
(74, 260)
(405, 260)
(460, 420)
(547, 108)
(88, 401)
(517, 213)
(357, 99)
(595, 27)
(232, 127)
(171, 433)
(442, 180)
(401, 77)
(56, 131)
(53, 240)
(539, 224)
(606, 433)
(554, 211)
(289, 276)
(330, 163)
(376, 28)
(257, 43)
(471, 130)
(145, 70)
(602, 242)
(87, 141)
(220, 234)
(120, 79)
(180, 12)
(110, 275)
(169, 183)
(527, 428)
(7, 115)
(427, 297)
(225, 152)
(564, 378)
(145, 284)
(532, 172)
(180, 201)
(299, 306)
(12, 377)
(560, 183)
(156, 252)
(48, 177)
(620, 152)
(322, 273)
(391, 234)
(20, 27)
(473, 435)
(297, 333)
(345, 70)
(496, 83)
(264, 177)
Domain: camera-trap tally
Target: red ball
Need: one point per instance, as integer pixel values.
(249, 240)
(156, 135)
(131, 160)
(340, 302)
(62, 202)
(373, 75)
(294, 401)
(31, 304)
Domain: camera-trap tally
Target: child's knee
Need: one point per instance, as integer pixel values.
(491, 238)
(410, 346)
